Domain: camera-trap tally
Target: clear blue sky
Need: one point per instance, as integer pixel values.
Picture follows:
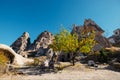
(35, 16)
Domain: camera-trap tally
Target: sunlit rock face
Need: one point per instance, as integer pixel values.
(41, 43)
(39, 47)
(22, 43)
(115, 38)
(17, 59)
(88, 26)
(43, 40)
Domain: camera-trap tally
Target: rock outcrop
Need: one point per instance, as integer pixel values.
(88, 26)
(39, 47)
(102, 43)
(41, 44)
(22, 43)
(43, 40)
(115, 38)
(17, 59)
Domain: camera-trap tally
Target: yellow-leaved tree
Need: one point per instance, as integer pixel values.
(87, 42)
(69, 43)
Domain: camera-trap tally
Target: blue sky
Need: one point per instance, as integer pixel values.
(36, 16)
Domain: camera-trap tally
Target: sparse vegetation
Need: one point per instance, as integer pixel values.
(62, 65)
(69, 43)
(3, 60)
(39, 60)
(87, 42)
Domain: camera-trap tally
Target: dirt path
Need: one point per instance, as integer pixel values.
(78, 72)
(69, 75)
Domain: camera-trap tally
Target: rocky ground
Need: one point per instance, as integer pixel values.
(77, 72)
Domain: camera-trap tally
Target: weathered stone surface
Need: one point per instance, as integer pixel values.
(102, 43)
(43, 40)
(115, 63)
(115, 38)
(41, 44)
(38, 48)
(22, 43)
(41, 51)
(91, 63)
(18, 59)
(89, 26)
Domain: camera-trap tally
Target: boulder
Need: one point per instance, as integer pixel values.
(18, 60)
(116, 65)
(91, 63)
(115, 38)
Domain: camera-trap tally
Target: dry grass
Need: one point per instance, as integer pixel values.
(66, 66)
(39, 60)
(62, 65)
(3, 60)
(113, 49)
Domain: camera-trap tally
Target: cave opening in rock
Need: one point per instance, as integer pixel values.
(9, 56)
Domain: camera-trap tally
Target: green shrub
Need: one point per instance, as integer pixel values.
(104, 56)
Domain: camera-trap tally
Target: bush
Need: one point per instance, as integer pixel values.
(62, 65)
(39, 60)
(104, 56)
(3, 60)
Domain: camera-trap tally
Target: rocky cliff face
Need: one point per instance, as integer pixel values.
(22, 43)
(41, 43)
(115, 38)
(88, 26)
(43, 40)
(40, 46)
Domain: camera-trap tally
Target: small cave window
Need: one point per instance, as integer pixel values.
(116, 33)
(49, 51)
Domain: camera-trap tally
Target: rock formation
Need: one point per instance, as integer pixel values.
(115, 38)
(39, 47)
(17, 59)
(43, 40)
(88, 26)
(41, 44)
(22, 43)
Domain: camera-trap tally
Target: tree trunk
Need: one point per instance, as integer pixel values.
(73, 58)
(73, 61)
